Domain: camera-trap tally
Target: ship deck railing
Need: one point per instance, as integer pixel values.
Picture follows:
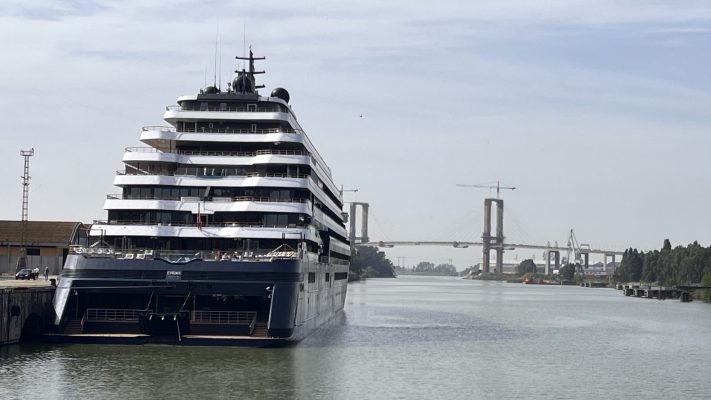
(219, 153)
(228, 109)
(218, 130)
(256, 199)
(181, 256)
(110, 315)
(213, 173)
(235, 224)
(224, 317)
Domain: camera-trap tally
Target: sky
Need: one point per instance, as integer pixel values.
(598, 112)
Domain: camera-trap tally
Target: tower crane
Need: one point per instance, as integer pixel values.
(498, 187)
(341, 190)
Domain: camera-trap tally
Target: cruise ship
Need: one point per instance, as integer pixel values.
(227, 229)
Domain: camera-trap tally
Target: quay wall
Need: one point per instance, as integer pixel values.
(24, 311)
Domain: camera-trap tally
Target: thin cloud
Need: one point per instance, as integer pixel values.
(52, 10)
(681, 30)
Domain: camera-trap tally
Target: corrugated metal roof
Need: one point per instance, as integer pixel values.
(38, 232)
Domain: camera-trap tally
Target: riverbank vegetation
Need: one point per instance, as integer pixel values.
(681, 265)
(428, 268)
(369, 262)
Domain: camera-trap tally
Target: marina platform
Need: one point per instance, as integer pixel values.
(185, 340)
(636, 289)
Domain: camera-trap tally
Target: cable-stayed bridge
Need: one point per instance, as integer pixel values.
(575, 251)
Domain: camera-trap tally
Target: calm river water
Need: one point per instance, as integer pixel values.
(412, 338)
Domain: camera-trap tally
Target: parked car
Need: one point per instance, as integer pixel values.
(26, 274)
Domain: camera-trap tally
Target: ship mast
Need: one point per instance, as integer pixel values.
(243, 74)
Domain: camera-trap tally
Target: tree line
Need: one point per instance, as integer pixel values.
(428, 268)
(669, 266)
(369, 262)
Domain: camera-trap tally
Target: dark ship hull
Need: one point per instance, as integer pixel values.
(240, 303)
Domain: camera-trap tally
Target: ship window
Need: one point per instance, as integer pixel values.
(223, 106)
(203, 106)
(251, 107)
(271, 220)
(327, 277)
(33, 251)
(276, 195)
(211, 125)
(254, 128)
(312, 277)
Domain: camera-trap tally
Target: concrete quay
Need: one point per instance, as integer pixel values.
(25, 309)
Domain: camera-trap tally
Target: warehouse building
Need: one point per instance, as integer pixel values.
(47, 243)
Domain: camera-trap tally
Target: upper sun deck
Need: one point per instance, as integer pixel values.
(215, 114)
(241, 95)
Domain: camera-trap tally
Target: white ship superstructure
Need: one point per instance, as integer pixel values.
(223, 206)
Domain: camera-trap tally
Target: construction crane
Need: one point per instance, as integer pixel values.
(341, 190)
(498, 187)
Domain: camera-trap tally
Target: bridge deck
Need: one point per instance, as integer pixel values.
(507, 246)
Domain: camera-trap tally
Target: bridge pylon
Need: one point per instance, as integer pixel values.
(495, 242)
(352, 237)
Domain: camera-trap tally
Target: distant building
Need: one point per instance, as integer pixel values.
(510, 266)
(47, 243)
(597, 270)
(593, 271)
